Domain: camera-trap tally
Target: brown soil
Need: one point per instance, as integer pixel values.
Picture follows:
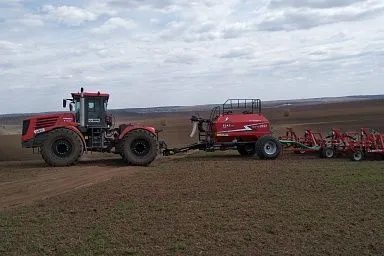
(10, 149)
(24, 182)
(209, 204)
(27, 181)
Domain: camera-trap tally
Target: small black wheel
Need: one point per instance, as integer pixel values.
(140, 147)
(328, 152)
(63, 147)
(247, 149)
(357, 156)
(268, 147)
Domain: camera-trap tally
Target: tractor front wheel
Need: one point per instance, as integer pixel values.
(139, 147)
(268, 147)
(63, 147)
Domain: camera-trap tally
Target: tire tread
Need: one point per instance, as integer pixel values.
(47, 154)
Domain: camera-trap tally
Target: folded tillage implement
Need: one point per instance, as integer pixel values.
(311, 142)
(358, 145)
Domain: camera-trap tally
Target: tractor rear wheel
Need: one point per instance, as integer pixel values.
(247, 149)
(139, 147)
(63, 147)
(268, 147)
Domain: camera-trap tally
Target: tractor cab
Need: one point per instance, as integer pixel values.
(90, 109)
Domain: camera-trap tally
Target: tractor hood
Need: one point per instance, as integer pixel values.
(43, 123)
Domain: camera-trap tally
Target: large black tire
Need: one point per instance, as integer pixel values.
(268, 147)
(62, 147)
(247, 149)
(140, 147)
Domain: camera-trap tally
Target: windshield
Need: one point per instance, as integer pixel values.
(77, 107)
(93, 105)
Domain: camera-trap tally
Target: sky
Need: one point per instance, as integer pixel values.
(149, 53)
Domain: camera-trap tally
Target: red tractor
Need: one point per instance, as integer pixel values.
(238, 124)
(62, 138)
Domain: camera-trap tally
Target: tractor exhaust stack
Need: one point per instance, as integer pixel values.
(82, 108)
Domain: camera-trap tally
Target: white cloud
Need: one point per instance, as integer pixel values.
(302, 15)
(236, 29)
(10, 2)
(238, 52)
(9, 48)
(144, 4)
(32, 20)
(181, 56)
(114, 23)
(69, 15)
(313, 3)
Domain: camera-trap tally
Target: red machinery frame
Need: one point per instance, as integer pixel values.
(311, 142)
(358, 145)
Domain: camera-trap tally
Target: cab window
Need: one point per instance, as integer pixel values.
(91, 105)
(94, 106)
(77, 107)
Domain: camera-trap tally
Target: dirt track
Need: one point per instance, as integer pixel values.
(25, 182)
(25, 178)
(39, 183)
(11, 150)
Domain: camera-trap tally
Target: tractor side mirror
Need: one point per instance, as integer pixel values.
(70, 107)
(64, 103)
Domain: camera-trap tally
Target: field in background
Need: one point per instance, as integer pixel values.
(201, 203)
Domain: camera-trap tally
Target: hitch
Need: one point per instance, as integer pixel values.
(169, 152)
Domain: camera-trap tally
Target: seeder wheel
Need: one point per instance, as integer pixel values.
(247, 149)
(357, 156)
(328, 152)
(268, 147)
